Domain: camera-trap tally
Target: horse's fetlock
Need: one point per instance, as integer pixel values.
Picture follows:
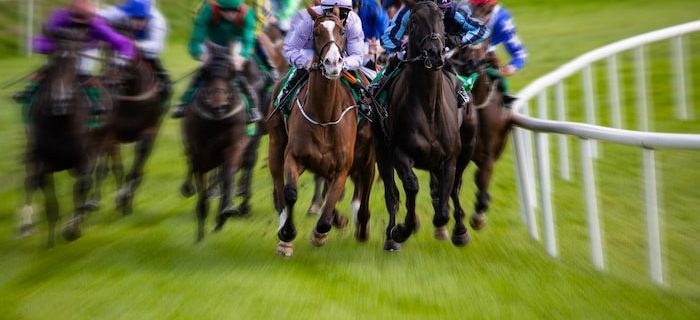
(290, 194)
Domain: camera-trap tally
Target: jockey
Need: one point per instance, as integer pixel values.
(472, 31)
(80, 14)
(499, 21)
(283, 11)
(299, 52)
(263, 11)
(222, 22)
(150, 31)
(374, 22)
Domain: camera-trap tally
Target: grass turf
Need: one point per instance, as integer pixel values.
(147, 265)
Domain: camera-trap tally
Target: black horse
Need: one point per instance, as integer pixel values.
(57, 136)
(422, 129)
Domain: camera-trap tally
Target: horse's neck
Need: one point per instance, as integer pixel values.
(325, 97)
(143, 80)
(425, 86)
(482, 87)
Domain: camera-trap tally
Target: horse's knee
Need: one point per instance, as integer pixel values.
(411, 185)
(482, 203)
(290, 194)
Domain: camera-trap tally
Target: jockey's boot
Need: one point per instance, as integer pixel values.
(253, 111)
(462, 97)
(92, 91)
(294, 80)
(508, 100)
(385, 76)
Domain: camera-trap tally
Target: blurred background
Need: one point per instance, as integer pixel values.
(147, 265)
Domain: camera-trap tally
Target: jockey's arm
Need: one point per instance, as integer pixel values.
(475, 30)
(506, 31)
(391, 39)
(154, 45)
(118, 42)
(199, 32)
(355, 43)
(248, 34)
(294, 50)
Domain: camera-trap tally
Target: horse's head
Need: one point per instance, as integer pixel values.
(61, 74)
(471, 58)
(426, 34)
(216, 98)
(329, 43)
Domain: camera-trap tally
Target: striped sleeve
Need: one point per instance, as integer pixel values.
(391, 39)
(475, 30)
(506, 32)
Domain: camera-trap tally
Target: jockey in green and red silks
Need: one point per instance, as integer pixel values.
(80, 14)
(221, 23)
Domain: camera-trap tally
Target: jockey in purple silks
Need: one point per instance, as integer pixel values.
(299, 52)
(80, 14)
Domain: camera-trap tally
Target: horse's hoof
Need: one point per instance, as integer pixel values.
(477, 221)
(314, 210)
(285, 249)
(286, 235)
(318, 239)
(460, 240)
(26, 230)
(397, 234)
(243, 210)
(340, 221)
(391, 246)
(441, 233)
(71, 230)
(123, 200)
(187, 190)
(362, 234)
(92, 205)
(220, 221)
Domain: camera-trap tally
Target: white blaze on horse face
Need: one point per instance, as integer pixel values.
(333, 59)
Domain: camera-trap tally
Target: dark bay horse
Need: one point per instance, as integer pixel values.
(214, 135)
(138, 106)
(422, 129)
(321, 134)
(58, 132)
(494, 125)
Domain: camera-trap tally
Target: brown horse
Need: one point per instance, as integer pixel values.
(321, 134)
(58, 133)
(214, 135)
(137, 111)
(494, 126)
(422, 129)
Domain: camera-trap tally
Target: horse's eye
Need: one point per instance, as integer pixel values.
(316, 33)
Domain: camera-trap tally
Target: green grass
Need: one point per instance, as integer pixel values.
(147, 265)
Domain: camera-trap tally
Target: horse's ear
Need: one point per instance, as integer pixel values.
(336, 11)
(409, 3)
(312, 13)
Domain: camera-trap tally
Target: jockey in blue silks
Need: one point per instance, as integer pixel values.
(472, 31)
(374, 23)
(503, 31)
(150, 30)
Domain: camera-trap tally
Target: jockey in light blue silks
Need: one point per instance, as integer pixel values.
(470, 30)
(299, 52)
(150, 30)
(503, 31)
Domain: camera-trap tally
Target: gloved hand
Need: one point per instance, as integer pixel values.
(120, 61)
(507, 70)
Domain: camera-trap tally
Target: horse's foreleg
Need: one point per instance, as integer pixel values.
(482, 178)
(226, 208)
(118, 171)
(360, 203)
(460, 234)
(250, 157)
(100, 171)
(391, 196)
(71, 230)
(45, 181)
(26, 224)
(320, 190)
(325, 222)
(202, 208)
(404, 168)
(187, 188)
(143, 150)
(292, 170)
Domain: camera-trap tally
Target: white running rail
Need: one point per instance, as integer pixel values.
(589, 133)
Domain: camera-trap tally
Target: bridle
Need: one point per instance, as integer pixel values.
(424, 55)
(315, 66)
